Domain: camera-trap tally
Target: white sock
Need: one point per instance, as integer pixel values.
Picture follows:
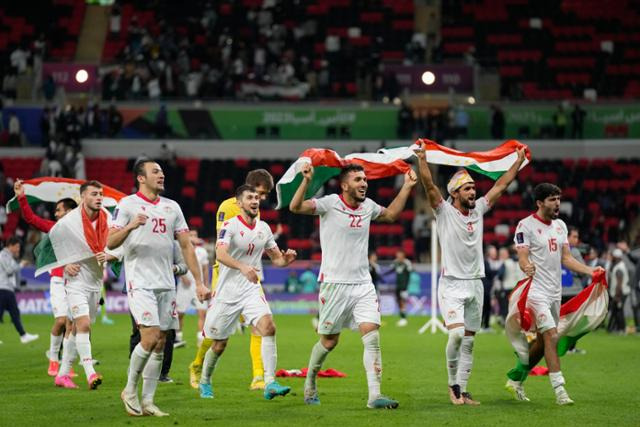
(269, 358)
(54, 347)
(83, 345)
(209, 364)
(372, 359)
(557, 381)
(318, 355)
(150, 376)
(139, 357)
(453, 353)
(178, 336)
(466, 362)
(68, 355)
(199, 337)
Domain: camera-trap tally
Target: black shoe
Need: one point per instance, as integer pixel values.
(165, 379)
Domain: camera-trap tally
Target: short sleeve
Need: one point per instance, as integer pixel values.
(271, 242)
(225, 234)
(180, 224)
(322, 205)
(522, 238)
(564, 239)
(483, 206)
(441, 207)
(121, 215)
(376, 209)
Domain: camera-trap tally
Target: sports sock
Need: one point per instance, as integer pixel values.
(403, 315)
(54, 347)
(178, 336)
(466, 362)
(452, 353)
(270, 357)
(150, 376)
(519, 373)
(202, 350)
(255, 349)
(372, 360)
(83, 345)
(139, 357)
(318, 355)
(210, 362)
(68, 355)
(557, 381)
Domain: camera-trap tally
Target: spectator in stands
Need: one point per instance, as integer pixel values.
(560, 122)
(9, 82)
(374, 269)
(292, 284)
(309, 281)
(618, 291)
(461, 122)
(405, 121)
(115, 20)
(9, 280)
(577, 122)
(45, 127)
(579, 281)
(114, 119)
(15, 139)
(162, 122)
(19, 58)
(497, 123)
(49, 88)
(492, 266)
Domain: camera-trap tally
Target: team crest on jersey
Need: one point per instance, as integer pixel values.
(213, 330)
(542, 317)
(146, 316)
(167, 209)
(242, 233)
(221, 216)
(260, 235)
(75, 309)
(559, 230)
(451, 314)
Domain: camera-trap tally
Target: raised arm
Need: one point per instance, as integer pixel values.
(223, 257)
(298, 204)
(392, 212)
(574, 265)
(31, 218)
(432, 191)
(281, 258)
(503, 182)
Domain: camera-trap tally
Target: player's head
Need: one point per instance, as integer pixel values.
(248, 199)
(462, 188)
(193, 236)
(91, 194)
(616, 255)
(13, 244)
(573, 236)
(149, 176)
(64, 206)
(547, 197)
(504, 253)
(373, 257)
(400, 255)
(262, 181)
(492, 252)
(353, 182)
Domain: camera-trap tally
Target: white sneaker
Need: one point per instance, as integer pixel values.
(27, 338)
(402, 322)
(150, 408)
(562, 398)
(131, 403)
(516, 388)
(179, 344)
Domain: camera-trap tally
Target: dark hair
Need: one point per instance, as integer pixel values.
(138, 170)
(13, 240)
(243, 188)
(571, 229)
(68, 203)
(90, 183)
(544, 190)
(260, 177)
(351, 167)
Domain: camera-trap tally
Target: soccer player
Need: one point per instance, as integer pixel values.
(83, 284)
(186, 291)
(239, 248)
(403, 269)
(543, 247)
(262, 181)
(61, 328)
(347, 296)
(460, 293)
(145, 224)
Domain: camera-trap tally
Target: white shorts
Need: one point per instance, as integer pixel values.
(154, 307)
(347, 306)
(460, 301)
(545, 312)
(186, 297)
(58, 297)
(82, 302)
(222, 317)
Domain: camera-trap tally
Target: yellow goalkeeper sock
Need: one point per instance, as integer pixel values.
(255, 348)
(204, 346)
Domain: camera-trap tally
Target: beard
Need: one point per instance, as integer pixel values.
(357, 197)
(250, 213)
(468, 204)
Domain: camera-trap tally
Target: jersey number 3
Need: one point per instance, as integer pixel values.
(355, 221)
(159, 225)
(553, 245)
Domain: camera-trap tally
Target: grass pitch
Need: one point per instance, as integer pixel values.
(604, 382)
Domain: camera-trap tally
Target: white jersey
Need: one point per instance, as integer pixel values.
(90, 276)
(148, 250)
(344, 239)
(203, 261)
(544, 240)
(460, 238)
(245, 244)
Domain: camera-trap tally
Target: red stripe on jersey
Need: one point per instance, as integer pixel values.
(146, 199)
(250, 227)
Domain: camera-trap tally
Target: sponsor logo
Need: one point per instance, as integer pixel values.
(451, 314)
(327, 324)
(260, 235)
(146, 316)
(242, 233)
(559, 230)
(322, 300)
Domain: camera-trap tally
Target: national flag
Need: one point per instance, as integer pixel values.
(327, 164)
(51, 190)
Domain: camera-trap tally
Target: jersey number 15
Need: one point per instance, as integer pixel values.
(553, 245)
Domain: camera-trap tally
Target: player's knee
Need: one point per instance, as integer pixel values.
(467, 344)
(219, 346)
(269, 329)
(329, 342)
(456, 334)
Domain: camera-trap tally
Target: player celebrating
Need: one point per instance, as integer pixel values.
(347, 295)
(262, 181)
(83, 282)
(145, 224)
(186, 292)
(239, 249)
(543, 247)
(460, 294)
(61, 329)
